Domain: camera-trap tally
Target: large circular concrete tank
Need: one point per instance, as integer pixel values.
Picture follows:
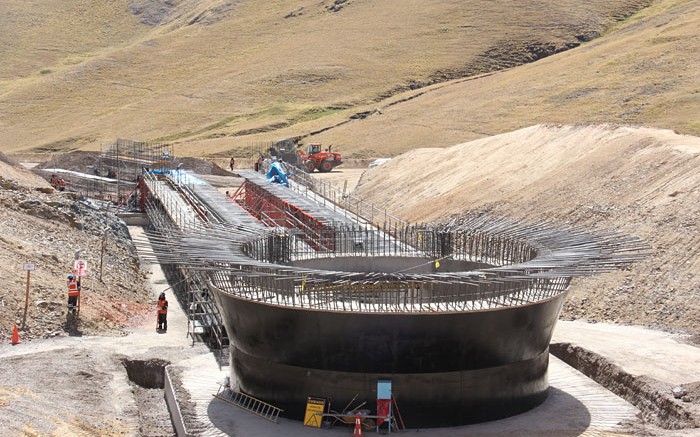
(463, 334)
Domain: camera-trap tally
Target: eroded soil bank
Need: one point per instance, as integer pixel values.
(658, 406)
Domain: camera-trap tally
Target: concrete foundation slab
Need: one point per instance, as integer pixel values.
(576, 406)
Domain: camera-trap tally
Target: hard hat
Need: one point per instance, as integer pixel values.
(162, 294)
(70, 276)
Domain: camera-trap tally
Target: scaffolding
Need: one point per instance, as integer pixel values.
(134, 175)
(174, 211)
(112, 176)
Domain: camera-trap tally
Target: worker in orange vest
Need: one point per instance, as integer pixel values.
(73, 293)
(162, 306)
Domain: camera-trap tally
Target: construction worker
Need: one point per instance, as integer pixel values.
(232, 163)
(162, 306)
(73, 293)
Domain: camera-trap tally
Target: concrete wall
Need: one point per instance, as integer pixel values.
(134, 219)
(450, 368)
(173, 407)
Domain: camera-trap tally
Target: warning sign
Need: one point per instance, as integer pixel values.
(80, 267)
(314, 410)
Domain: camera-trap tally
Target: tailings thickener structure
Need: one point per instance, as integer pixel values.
(458, 316)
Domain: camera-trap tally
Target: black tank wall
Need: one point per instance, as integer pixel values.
(389, 343)
(424, 399)
(446, 368)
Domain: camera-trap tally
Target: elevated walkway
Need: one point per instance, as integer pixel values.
(316, 220)
(322, 214)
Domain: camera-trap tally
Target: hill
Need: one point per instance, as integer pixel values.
(375, 79)
(644, 71)
(218, 75)
(639, 181)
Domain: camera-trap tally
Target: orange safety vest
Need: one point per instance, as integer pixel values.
(163, 306)
(73, 288)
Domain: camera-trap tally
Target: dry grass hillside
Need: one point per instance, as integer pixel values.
(639, 181)
(643, 71)
(216, 75)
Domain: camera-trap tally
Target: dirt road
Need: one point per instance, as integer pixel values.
(79, 385)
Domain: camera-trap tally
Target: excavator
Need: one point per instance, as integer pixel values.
(314, 158)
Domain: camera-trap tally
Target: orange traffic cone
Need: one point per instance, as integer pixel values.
(15, 336)
(358, 425)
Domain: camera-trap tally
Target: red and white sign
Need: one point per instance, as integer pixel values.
(80, 267)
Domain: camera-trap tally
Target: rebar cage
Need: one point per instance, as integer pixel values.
(478, 264)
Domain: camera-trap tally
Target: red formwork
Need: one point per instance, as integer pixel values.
(274, 211)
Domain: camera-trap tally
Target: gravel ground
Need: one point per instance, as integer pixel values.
(154, 418)
(63, 390)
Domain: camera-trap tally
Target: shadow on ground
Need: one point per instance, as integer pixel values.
(561, 414)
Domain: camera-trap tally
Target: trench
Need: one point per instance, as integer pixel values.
(147, 378)
(655, 403)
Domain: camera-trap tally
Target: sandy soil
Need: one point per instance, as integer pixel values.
(343, 178)
(639, 181)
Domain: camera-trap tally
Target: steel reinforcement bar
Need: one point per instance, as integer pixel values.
(481, 263)
(470, 264)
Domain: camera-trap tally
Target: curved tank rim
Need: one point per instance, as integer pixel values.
(559, 295)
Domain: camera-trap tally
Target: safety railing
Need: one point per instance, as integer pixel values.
(338, 200)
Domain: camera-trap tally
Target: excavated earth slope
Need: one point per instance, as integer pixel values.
(45, 227)
(636, 180)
